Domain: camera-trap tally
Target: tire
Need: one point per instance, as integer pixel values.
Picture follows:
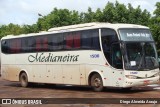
(23, 80)
(127, 89)
(96, 83)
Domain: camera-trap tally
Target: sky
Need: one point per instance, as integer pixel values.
(26, 11)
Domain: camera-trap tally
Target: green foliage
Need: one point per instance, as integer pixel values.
(10, 29)
(57, 18)
(155, 25)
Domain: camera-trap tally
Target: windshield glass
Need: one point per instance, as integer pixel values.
(140, 56)
(135, 34)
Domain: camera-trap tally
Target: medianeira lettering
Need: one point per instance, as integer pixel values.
(41, 57)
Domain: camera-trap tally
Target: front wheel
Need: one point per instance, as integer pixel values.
(127, 89)
(23, 79)
(96, 82)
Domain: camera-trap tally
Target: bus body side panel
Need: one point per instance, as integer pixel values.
(107, 73)
(60, 72)
(9, 69)
(54, 74)
(82, 70)
(10, 72)
(71, 74)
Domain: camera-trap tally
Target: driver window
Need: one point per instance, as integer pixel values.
(109, 37)
(116, 56)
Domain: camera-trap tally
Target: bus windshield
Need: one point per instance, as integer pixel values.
(140, 52)
(141, 56)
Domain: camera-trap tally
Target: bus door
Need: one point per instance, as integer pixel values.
(117, 64)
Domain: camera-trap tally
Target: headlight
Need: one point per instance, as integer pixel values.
(157, 74)
(131, 76)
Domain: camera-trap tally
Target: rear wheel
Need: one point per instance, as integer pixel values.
(23, 79)
(96, 82)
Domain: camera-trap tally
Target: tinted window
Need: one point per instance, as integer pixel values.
(72, 40)
(77, 40)
(90, 39)
(28, 44)
(109, 37)
(5, 46)
(41, 43)
(116, 56)
(11, 46)
(55, 42)
(69, 40)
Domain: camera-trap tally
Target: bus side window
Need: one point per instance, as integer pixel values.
(38, 44)
(18, 45)
(31, 44)
(45, 44)
(116, 56)
(77, 40)
(109, 36)
(24, 47)
(13, 46)
(55, 42)
(86, 40)
(69, 41)
(41, 44)
(5, 46)
(90, 39)
(95, 40)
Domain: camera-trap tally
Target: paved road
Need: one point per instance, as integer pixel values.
(14, 90)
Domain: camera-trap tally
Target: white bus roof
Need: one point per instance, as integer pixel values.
(77, 27)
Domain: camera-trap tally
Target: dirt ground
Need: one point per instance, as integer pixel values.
(14, 90)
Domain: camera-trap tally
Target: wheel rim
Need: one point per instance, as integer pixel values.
(24, 80)
(97, 82)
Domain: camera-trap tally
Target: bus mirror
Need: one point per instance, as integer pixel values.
(122, 50)
(159, 61)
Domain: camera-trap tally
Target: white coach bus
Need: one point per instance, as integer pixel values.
(94, 54)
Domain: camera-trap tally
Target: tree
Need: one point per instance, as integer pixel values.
(89, 16)
(99, 15)
(57, 18)
(10, 29)
(108, 13)
(155, 26)
(29, 28)
(120, 13)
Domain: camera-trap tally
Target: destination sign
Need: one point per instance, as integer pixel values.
(135, 35)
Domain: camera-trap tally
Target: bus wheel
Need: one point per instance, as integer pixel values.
(96, 82)
(127, 89)
(23, 80)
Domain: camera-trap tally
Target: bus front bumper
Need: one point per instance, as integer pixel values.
(141, 82)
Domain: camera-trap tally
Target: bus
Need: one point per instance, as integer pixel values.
(95, 54)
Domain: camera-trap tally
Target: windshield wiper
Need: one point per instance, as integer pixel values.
(141, 61)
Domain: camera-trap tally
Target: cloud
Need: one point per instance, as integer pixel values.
(26, 11)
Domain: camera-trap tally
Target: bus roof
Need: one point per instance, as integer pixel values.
(77, 27)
